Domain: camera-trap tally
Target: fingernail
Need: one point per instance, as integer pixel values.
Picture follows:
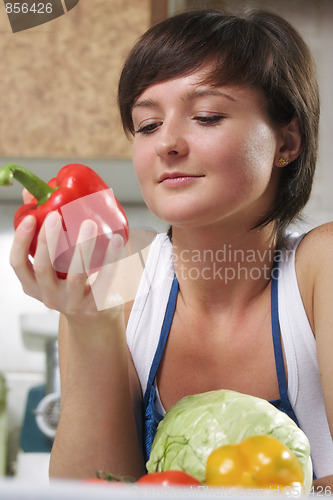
(28, 222)
(117, 241)
(51, 220)
(88, 230)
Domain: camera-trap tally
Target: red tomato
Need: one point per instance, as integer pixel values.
(169, 478)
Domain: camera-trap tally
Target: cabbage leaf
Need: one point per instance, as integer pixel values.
(200, 423)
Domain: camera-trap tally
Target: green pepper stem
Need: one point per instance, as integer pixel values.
(38, 188)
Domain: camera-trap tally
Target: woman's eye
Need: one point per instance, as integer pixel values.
(148, 129)
(209, 120)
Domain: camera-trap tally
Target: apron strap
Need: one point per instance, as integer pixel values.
(163, 337)
(151, 416)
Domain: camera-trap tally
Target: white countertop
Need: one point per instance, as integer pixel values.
(13, 489)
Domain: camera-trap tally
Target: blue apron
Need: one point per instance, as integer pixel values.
(151, 415)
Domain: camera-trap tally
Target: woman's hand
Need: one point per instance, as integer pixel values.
(97, 428)
(81, 297)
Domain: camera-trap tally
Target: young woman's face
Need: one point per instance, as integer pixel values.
(203, 154)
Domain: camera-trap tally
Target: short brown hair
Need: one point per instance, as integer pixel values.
(256, 48)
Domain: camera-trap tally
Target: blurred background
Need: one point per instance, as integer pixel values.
(58, 89)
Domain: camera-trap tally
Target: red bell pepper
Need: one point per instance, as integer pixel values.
(78, 193)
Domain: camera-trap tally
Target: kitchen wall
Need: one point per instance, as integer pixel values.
(57, 108)
(59, 80)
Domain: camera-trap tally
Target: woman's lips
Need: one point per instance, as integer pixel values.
(179, 180)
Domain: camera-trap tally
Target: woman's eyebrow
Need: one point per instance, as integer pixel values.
(148, 103)
(194, 93)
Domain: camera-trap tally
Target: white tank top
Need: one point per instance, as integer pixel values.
(304, 388)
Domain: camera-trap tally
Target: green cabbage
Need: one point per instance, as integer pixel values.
(198, 424)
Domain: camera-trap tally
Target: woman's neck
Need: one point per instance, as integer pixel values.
(229, 267)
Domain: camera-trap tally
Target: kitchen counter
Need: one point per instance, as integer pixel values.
(3, 425)
(13, 489)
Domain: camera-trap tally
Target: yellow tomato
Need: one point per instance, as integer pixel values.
(258, 461)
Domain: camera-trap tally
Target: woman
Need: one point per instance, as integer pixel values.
(224, 114)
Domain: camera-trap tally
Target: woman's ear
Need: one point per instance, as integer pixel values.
(291, 143)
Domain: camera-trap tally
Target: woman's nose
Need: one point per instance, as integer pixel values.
(171, 142)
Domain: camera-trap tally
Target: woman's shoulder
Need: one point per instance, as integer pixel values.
(317, 244)
(314, 268)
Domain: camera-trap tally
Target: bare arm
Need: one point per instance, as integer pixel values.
(97, 428)
(318, 250)
(324, 485)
